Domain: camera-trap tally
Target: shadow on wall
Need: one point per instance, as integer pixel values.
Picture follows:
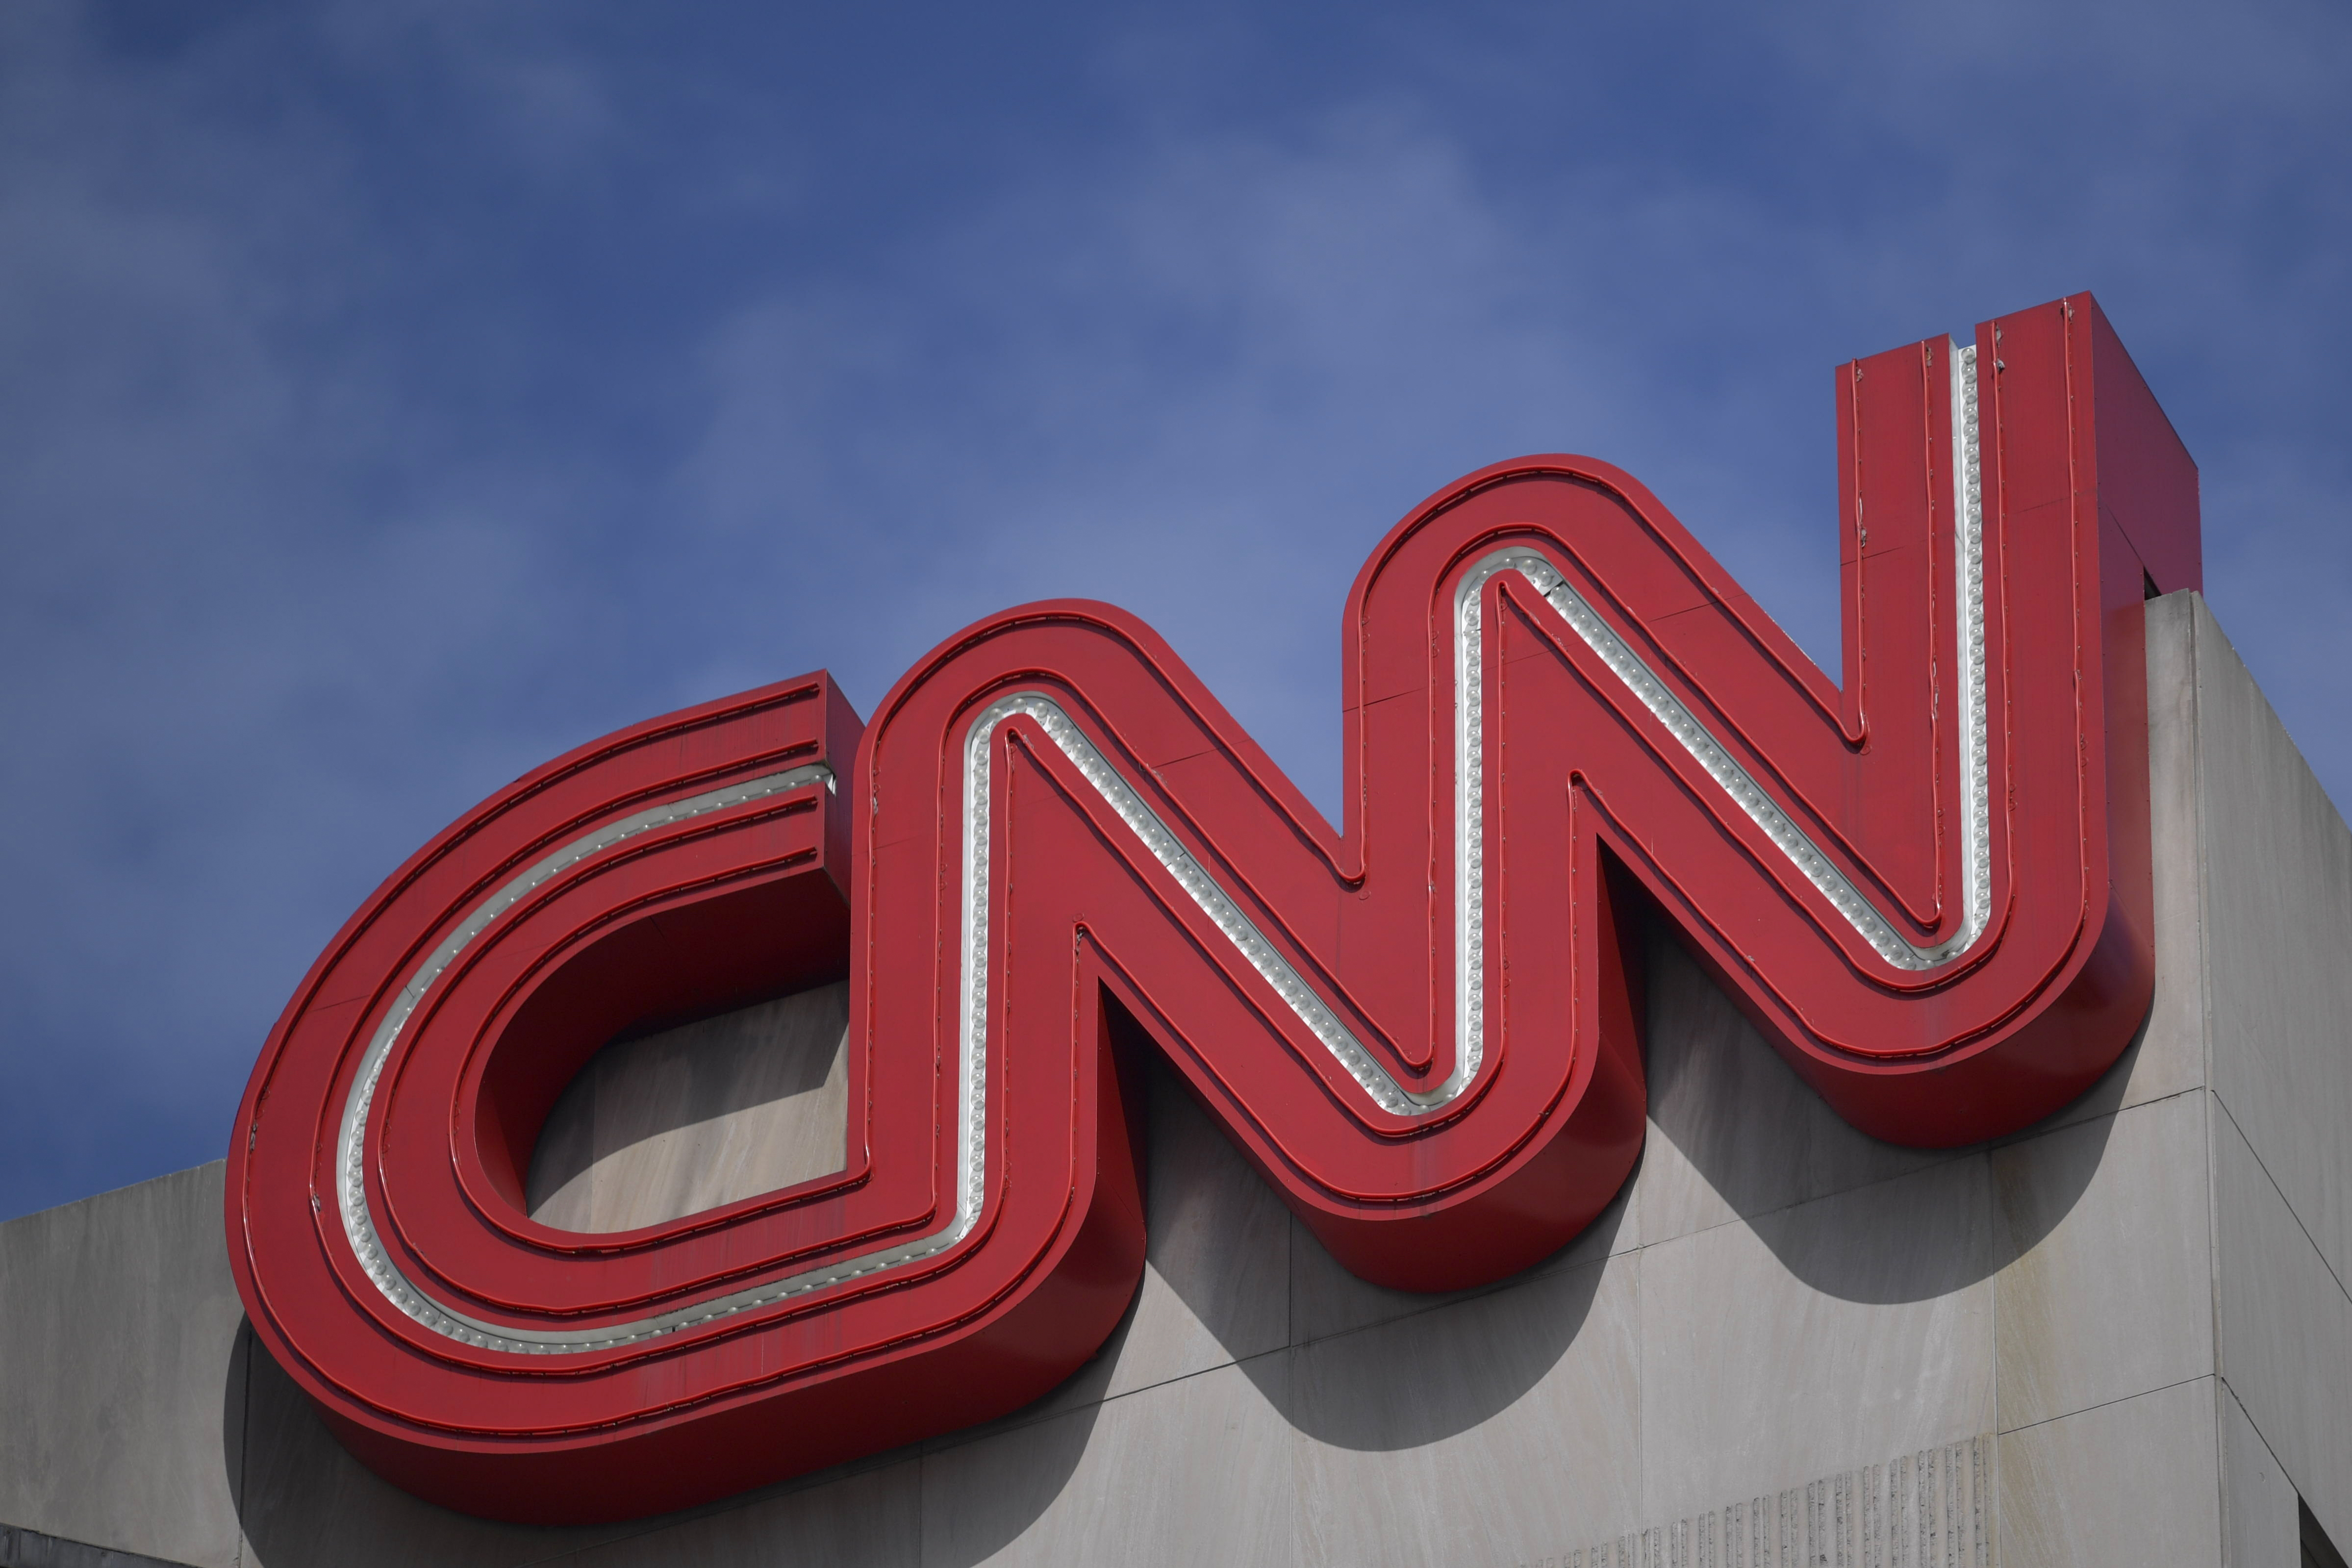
(664, 1124)
(303, 1502)
(1736, 1135)
(1737, 1139)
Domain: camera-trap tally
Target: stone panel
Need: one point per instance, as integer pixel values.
(1216, 1280)
(2123, 1486)
(1325, 1300)
(305, 1503)
(1734, 1132)
(1494, 1430)
(2286, 1330)
(122, 1322)
(2278, 940)
(30, 1548)
(2259, 1523)
(1819, 1337)
(1194, 1471)
(2110, 1290)
(867, 1520)
(1933, 1508)
(697, 1117)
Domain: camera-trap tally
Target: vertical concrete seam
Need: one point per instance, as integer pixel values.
(2213, 1279)
(1289, 1277)
(2198, 816)
(1289, 1292)
(1997, 1227)
(1294, 1451)
(1641, 1373)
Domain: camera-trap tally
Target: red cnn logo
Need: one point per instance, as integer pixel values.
(1928, 885)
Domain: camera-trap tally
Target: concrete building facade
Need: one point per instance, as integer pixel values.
(2124, 1336)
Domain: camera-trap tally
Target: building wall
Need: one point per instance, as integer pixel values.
(2120, 1338)
(2274, 928)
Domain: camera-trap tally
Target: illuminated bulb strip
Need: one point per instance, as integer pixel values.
(1976, 765)
(1721, 766)
(359, 1224)
(970, 1185)
(1190, 874)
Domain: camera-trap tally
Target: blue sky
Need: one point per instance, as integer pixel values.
(393, 396)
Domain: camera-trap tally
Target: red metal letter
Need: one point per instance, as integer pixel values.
(1929, 886)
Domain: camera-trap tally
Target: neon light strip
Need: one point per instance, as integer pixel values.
(359, 1224)
(1721, 766)
(1379, 1084)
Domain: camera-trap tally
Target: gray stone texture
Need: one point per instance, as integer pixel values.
(119, 1323)
(2273, 888)
(2258, 1523)
(2125, 1485)
(2121, 1337)
(2100, 1305)
(697, 1117)
(32, 1549)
